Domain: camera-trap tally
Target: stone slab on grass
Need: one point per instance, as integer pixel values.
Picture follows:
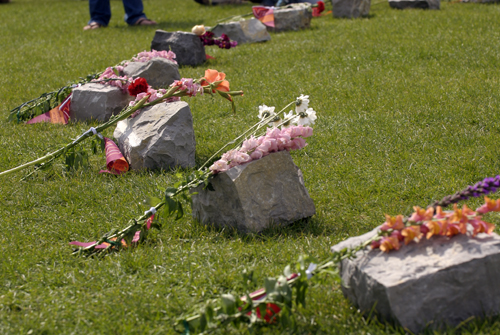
(433, 283)
(255, 196)
(158, 72)
(292, 17)
(423, 4)
(188, 48)
(243, 31)
(160, 137)
(96, 101)
(350, 8)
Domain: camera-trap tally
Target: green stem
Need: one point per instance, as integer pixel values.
(123, 115)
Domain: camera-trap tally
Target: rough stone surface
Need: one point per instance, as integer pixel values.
(292, 17)
(255, 196)
(423, 4)
(350, 8)
(187, 46)
(160, 137)
(243, 31)
(158, 72)
(435, 282)
(97, 102)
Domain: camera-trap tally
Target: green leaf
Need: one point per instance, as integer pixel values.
(170, 206)
(270, 285)
(228, 304)
(180, 211)
(170, 191)
(152, 201)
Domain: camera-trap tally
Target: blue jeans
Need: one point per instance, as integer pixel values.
(100, 11)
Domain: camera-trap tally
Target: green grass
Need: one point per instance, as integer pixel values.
(408, 113)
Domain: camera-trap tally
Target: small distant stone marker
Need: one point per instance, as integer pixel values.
(255, 196)
(96, 101)
(160, 137)
(158, 72)
(423, 4)
(350, 8)
(243, 31)
(292, 17)
(435, 282)
(187, 46)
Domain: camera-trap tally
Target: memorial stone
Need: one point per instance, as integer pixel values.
(436, 282)
(160, 137)
(292, 17)
(96, 101)
(243, 31)
(188, 48)
(255, 196)
(350, 8)
(158, 72)
(423, 4)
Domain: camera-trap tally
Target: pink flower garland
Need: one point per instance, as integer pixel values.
(144, 56)
(275, 140)
(424, 222)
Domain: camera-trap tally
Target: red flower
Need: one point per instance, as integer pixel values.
(140, 85)
(271, 312)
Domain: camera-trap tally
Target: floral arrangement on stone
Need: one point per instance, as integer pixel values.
(275, 302)
(50, 100)
(213, 82)
(256, 142)
(208, 38)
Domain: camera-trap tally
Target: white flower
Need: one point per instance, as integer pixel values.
(291, 119)
(265, 112)
(275, 122)
(307, 118)
(198, 30)
(302, 104)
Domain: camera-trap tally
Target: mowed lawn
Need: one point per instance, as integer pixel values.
(408, 112)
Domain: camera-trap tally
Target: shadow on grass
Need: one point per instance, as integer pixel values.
(309, 226)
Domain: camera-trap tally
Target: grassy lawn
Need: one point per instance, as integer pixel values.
(407, 106)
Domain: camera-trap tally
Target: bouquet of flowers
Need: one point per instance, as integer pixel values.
(213, 82)
(255, 143)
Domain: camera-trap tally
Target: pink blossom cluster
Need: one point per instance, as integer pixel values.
(121, 82)
(153, 95)
(188, 85)
(275, 140)
(148, 55)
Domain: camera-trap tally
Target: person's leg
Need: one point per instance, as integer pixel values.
(134, 12)
(100, 12)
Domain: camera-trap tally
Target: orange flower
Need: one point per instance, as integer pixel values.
(395, 223)
(411, 233)
(422, 214)
(439, 213)
(481, 226)
(453, 229)
(216, 78)
(434, 228)
(489, 206)
(389, 243)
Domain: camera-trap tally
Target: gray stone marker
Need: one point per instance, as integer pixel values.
(243, 31)
(423, 4)
(292, 17)
(96, 101)
(158, 72)
(432, 283)
(188, 48)
(160, 137)
(255, 196)
(350, 8)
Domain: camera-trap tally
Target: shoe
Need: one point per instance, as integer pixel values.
(92, 25)
(144, 22)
